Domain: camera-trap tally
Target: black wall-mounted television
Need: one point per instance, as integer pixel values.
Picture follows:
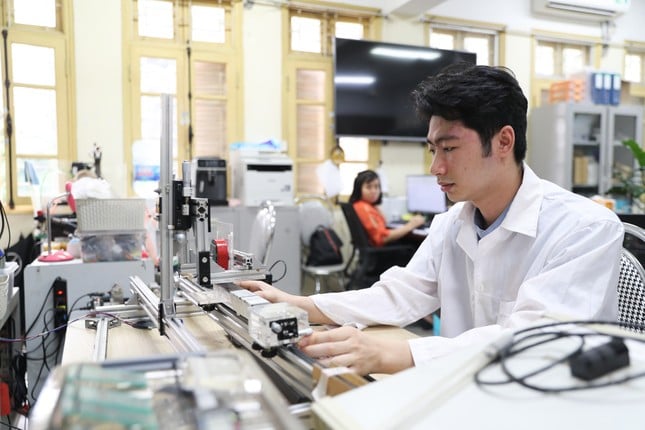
(372, 86)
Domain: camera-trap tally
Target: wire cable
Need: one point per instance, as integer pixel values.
(284, 263)
(529, 338)
(4, 222)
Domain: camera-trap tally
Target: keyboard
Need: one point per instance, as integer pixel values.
(399, 223)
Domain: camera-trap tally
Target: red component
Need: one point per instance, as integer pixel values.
(221, 253)
(5, 400)
(70, 197)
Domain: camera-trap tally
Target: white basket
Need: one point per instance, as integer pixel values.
(103, 215)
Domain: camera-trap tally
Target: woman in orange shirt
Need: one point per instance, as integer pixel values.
(365, 197)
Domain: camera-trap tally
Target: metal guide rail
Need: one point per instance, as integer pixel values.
(223, 389)
(268, 331)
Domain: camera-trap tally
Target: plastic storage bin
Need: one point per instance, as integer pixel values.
(123, 246)
(111, 229)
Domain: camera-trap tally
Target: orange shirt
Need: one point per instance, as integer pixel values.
(373, 221)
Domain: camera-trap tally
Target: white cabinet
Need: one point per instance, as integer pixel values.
(577, 146)
(44, 351)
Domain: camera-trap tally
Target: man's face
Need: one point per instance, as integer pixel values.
(458, 162)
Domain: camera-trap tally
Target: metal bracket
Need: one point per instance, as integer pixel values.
(92, 323)
(101, 325)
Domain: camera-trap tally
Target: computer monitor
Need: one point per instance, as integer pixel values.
(424, 195)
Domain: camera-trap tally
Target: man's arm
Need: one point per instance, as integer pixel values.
(275, 295)
(343, 346)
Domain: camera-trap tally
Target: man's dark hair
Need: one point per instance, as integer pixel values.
(484, 98)
(362, 178)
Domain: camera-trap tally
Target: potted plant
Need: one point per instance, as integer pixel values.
(628, 182)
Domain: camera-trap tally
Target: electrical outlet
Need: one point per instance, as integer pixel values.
(60, 303)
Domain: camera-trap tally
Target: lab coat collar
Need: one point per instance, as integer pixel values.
(522, 216)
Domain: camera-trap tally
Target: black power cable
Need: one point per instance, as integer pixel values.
(529, 338)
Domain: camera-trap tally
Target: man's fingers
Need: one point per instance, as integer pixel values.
(251, 285)
(343, 360)
(324, 344)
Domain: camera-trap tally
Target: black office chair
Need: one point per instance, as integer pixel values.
(372, 260)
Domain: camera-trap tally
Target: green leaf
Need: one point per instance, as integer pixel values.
(636, 149)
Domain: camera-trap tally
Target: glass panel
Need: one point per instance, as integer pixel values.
(158, 75)
(310, 131)
(349, 30)
(478, 45)
(307, 179)
(3, 173)
(442, 40)
(41, 171)
(208, 24)
(633, 67)
(210, 78)
(355, 148)
(310, 84)
(210, 128)
(41, 13)
(33, 65)
(306, 34)
(544, 60)
(348, 172)
(156, 19)
(151, 119)
(35, 121)
(573, 60)
(2, 131)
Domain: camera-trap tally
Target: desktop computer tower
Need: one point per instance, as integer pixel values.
(210, 180)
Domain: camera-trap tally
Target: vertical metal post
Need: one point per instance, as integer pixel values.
(167, 199)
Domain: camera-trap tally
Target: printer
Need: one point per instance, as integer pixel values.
(259, 176)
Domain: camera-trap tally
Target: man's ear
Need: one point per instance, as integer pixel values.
(506, 140)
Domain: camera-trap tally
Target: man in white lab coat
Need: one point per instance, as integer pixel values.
(512, 249)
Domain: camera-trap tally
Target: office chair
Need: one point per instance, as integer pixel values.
(372, 261)
(315, 210)
(631, 281)
(262, 232)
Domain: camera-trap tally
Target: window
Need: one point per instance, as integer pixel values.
(185, 49)
(42, 146)
(482, 39)
(634, 70)
(556, 58)
(559, 59)
(356, 156)
(634, 67)
(309, 92)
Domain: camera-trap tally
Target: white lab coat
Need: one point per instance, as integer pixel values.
(555, 251)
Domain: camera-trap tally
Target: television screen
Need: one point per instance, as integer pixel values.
(424, 195)
(373, 82)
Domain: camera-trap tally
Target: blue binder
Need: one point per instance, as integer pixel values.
(607, 85)
(597, 88)
(615, 89)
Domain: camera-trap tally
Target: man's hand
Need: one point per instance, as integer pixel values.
(352, 348)
(266, 291)
(275, 295)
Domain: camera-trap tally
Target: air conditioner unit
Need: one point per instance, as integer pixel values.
(589, 10)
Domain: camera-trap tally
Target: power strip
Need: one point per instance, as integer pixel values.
(60, 303)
